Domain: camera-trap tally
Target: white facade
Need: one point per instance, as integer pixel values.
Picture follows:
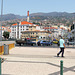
(59, 32)
(39, 28)
(14, 30)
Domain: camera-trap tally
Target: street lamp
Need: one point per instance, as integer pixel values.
(1, 20)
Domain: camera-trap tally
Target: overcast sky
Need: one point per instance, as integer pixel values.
(20, 7)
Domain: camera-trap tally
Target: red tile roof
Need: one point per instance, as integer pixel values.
(3, 27)
(6, 28)
(50, 27)
(14, 24)
(36, 31)
(23, 23)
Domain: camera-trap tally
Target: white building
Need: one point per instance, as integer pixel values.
(17, 28)
(56, 31)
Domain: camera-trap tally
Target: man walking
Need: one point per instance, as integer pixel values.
(62, 47)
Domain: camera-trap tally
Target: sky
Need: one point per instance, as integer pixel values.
(20, 7)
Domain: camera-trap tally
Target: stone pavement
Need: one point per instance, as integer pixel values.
(38, 61)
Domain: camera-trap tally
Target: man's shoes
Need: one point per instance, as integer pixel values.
(62, 56)
(57, 55)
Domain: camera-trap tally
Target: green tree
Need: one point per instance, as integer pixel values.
(6, 34)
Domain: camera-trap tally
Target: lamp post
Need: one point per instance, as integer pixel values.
(1, 20)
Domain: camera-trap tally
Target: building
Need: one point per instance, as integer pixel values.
(36, 34)
(34, 27)
(57, 31)
(19, 27)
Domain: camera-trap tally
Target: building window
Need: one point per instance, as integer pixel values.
(21, 26)
(30, 27)
(27, 29)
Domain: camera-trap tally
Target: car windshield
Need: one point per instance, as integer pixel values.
(44, 41)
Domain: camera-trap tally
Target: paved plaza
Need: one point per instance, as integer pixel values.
(38, 61)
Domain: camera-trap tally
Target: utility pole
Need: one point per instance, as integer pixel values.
(74, 34)
(1, 20)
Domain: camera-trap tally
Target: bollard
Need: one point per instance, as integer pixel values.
(6, 49)
(61, 67)
(0, 66)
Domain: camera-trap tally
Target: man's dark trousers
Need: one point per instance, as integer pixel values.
(61, 51)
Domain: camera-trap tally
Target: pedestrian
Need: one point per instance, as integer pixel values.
(62, 47)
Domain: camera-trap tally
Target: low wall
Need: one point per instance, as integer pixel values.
(11, 44)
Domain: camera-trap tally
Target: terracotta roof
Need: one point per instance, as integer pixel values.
(3, 27)
(46, 27)
(37, 25)
(9, 30)
(50, 27)
(6, 28)
(14, 24)
(23, 23)
(62, 28)
(36, 31)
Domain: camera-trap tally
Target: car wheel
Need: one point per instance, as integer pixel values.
(47, 45)
(19, 44)
(31, 44)
(38, 44)
(41, 44)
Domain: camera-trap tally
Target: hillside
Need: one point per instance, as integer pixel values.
(11, 17)
(41, 15)
(53, 17)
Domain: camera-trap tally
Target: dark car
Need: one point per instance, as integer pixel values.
(29, 42)
(42, 42)
(26, 41)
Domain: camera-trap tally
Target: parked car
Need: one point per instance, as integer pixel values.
(70, 43)
(55, 41)
(26, 41)
(38, 43)
(29, 42)
(42, 42)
